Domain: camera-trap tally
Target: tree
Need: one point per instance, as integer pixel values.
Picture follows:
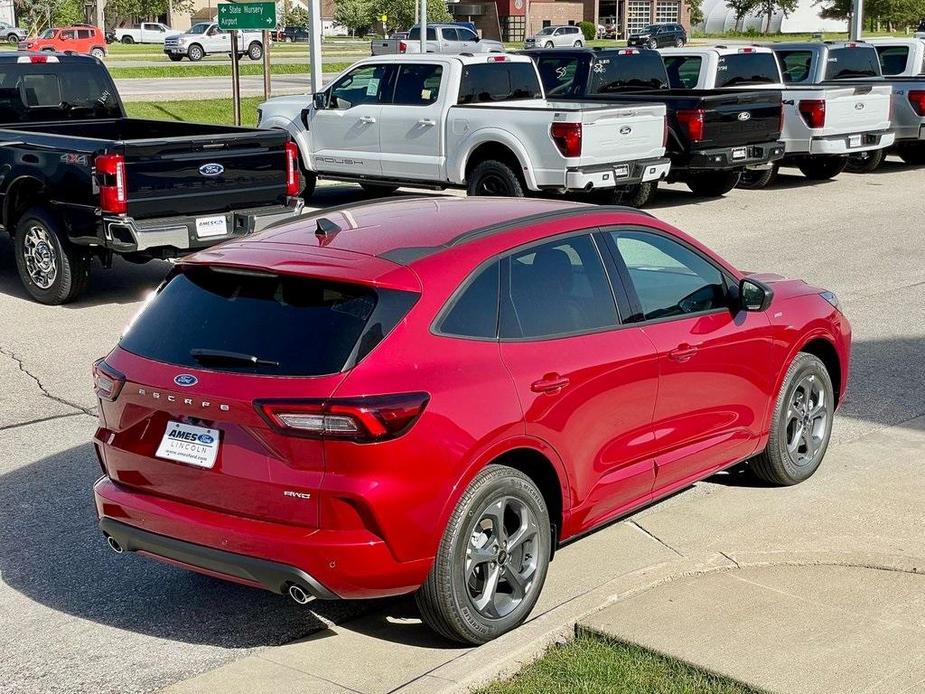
(696, 10)
(893, 13)
(118, 12)
(401, 13)
(37, 15)
(356, 15)
(296, 17)
(741, 8)
(767, 8)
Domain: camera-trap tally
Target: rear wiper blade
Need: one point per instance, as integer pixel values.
(213, 356)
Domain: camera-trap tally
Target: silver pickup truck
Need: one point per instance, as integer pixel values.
(441, 38)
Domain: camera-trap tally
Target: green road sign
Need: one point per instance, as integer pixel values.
(247, 15)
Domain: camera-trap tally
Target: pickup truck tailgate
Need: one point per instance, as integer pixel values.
(202, 174)
(856, 109)
(743, 118)
(617, 132)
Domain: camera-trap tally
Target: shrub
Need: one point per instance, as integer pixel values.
(588, 29)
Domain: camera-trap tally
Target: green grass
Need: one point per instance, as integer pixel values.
(592, 665)
(181, 70)
(777, 38)
(216, 111)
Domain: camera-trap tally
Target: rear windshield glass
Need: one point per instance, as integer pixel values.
(490, 82)
(35, 92)
(845, 63)
(893, 59)
(746, 68)
(683, 70)
(643, 70)
(267, 324)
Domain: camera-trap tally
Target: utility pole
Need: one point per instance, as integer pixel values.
(314, 45)
(99, 13)
(857, 20)
(423, 24)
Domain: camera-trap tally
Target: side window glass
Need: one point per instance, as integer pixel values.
(683, 71)
(669, 278)
(475, 311)
(466, 35)
(449, 34)
(794, 65)
(557, 289)
(418, 85)
(893, 59)
(360, 86)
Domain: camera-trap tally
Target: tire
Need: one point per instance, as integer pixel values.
(195, 53)
(913, 154)
(781, 463)
(865, 162)
(494, 178)
(128, 40)
(578, 44)
(652, 44)
(378, 190)
(175, 58)
(713, 185)
(12, 39)
(450, 598)
(255, 50)
(98, 53)
(757, 179)
(823, 168)
(549, 44)
(637, 196)
(52, 270)
(679, 43)
(309, 181)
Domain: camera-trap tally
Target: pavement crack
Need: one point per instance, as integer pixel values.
(737, 565)
(22, 367)
(654, 537)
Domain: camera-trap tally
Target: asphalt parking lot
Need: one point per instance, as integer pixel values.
(75, 617)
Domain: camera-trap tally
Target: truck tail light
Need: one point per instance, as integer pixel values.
(747, 49)
(402, 47)
(567, 137)
(497, 59)
(110, 168)
(917, 99)
(813, 112)
(292, 169)
(363, 420)
(107, 382)
(693, 122)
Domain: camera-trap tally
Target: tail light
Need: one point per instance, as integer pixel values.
(402, 47)
(110, 168)
(813, 112)
(292, 169)
(693, 121)
(747, 49)
(917, 99)
(567, 137)
(363, 420)
(107, 382)
(497, 59)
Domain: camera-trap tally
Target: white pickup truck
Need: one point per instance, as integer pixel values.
(146, 32)
(441, 38)
(823, 124)
(205, 38)
(478, 122)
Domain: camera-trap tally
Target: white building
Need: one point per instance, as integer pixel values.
(718, 18)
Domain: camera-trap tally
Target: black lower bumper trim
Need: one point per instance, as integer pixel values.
(271, 575)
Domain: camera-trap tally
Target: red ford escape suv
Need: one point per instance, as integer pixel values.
(431, 394)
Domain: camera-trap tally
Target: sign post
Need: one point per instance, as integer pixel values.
(242, 16)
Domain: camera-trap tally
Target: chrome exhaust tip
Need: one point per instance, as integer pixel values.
(297, 594)
(114, 544)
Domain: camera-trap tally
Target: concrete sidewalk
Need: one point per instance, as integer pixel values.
(814, 588)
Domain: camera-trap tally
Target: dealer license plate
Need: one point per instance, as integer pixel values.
(621, 171)
(207, 227)
(189, 444)
(854, 140)
(740, 153)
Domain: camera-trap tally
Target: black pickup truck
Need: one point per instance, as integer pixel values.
(79, 179)
(713, 135)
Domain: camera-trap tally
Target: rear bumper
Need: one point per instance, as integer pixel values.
(616, 175)
(734, 157)
(840, 144)
(124, 234)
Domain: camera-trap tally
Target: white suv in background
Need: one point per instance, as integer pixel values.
(556, 37)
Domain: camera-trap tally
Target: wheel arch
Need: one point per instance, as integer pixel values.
(492, 143)
(824, 349)
(19, 197)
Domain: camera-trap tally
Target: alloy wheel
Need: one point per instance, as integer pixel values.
(502, 557)
(40, 256)
(807, 420)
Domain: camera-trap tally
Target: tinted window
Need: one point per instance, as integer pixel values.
(683, 70)
(643, 70)
(84, 34)
(555, 289)
(363, 85)
(449, 34)
(893, 59)
(558, 75)
(746, 68)
(467, 35)
(669, 278)
(499, 82)
(415, 34)
(852, 62)
(417, 85)
(475, 312)
(794, 65)
(295, 326)
(28, 90)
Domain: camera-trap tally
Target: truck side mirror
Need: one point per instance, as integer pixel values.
(320, 100)
(754, 295)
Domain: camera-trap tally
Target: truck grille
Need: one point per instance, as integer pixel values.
(171, 43)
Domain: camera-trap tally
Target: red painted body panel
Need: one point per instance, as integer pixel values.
(634, 423)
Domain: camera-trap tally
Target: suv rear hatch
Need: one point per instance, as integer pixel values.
(216, 353)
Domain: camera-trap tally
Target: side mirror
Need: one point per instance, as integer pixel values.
(320, 100)
(754, 295)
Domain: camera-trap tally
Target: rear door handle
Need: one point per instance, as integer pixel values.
(683, 352)
(550, 383)
(427, 122)
(367, 119)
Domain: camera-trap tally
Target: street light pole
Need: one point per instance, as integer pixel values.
(857, 20)
(423, 27)
(314, 46)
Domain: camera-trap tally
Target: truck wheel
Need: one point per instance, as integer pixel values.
(195, 53)
(98, 53)
(52, 270)
(255, 50)
(128, 40)
(175, 58)
(802, 424)
(637, 196)
(495, 178)
(913, 154)
(823, 168)
(713, 185)
(865, 162)
(376, 189)
(492, 560)
(756, 179)
(12, 39)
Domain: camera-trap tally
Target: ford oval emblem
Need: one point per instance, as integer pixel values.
(859, 106)
(626, 130)
(185, 380)
(212, 169)
(745, 115)
(206, 439)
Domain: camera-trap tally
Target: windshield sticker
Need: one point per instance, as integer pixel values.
(561, 72)
(372, 87)
(425, 94)
(104, 97)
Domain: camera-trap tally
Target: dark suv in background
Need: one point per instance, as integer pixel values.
(659, 36)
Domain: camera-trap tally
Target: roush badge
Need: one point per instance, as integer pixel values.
(185, 380)
(212, 169)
